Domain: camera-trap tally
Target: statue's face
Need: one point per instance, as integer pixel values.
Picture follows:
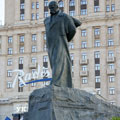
(53, 8)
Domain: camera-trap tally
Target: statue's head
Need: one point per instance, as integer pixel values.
(53, 6)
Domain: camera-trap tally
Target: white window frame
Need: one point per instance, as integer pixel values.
(21, 60)
(97, 54)
(84, 67)
(21, 49)
(9, 63)
(83, 44)
(9, 85)
(37, 5)
(22, 38)
(22, 17)
(110, 42)
(72, 3)
(10, 39)
(97, 79)
(72, 13)
(83, 33)
(112, 91)
(111, 78)
(9, 73)
(107, 8)
(97, 43)
(34, 48)
(10, 51)
(110, 53)
(34, 60)
(111, 66)
(83, 12)
(84, 80)
(110, 30)
(34, 37)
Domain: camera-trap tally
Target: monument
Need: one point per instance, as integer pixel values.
(59, 101)
(60, 29)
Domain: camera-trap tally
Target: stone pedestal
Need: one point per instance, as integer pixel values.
(58, 103)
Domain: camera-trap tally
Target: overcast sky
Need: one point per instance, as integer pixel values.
(2, 12)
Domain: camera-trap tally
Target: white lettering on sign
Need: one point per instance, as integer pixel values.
(20, 76)
(21, 109)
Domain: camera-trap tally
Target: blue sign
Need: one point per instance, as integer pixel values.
(35, 81)
(7, 118)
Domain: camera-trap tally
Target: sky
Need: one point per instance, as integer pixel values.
(2, 12)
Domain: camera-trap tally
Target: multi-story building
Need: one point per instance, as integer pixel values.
(95, 50)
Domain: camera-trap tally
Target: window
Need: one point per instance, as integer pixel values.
(113, 102)
(97, 54)
(97, 66)
(111, 78)
(72, 13)
(37, 5)
(84, 56)
(46, 14)
(72, 71)
(84, 68)
(33, 84)
(112, 91)
(45, 58)
(113, 7)
(97, 31)
(83, 33)
(44, 36)
(10, 51)
(22, 6)
(111, 66)
(98, 91)
(83, 11)
(72, 3)
(9, 73)
(34, 48)
(83, 2)
(22, 49)
(71, 45)
(61, 4)
(96, 9)
(96, 6)
(37, 16)
(84, 44)
(10, 39)
(34, 60)
(33, 5)
(72, 58)
(33, 37)
(21, 60)
(107, 8)
(45, 61)
(97, 79)
(110, 30)
(84, 80)
(22, 17)
(110, 53)
(110, 43)
(9, 84)
(97, 43)
(9, 63)
(33, 16)
(46, 3)
(22, 38)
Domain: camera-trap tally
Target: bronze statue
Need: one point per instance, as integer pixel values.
(60, 29)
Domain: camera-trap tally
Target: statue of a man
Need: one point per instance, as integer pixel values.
(60, 29)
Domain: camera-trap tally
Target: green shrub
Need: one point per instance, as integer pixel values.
(115, 118)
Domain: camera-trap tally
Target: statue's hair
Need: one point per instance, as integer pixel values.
(53, 2)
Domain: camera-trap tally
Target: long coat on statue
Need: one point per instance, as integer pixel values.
(60, 29)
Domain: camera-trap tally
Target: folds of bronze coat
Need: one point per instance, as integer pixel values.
(60, 29)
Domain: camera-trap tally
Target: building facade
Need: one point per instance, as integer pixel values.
(95, 50)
